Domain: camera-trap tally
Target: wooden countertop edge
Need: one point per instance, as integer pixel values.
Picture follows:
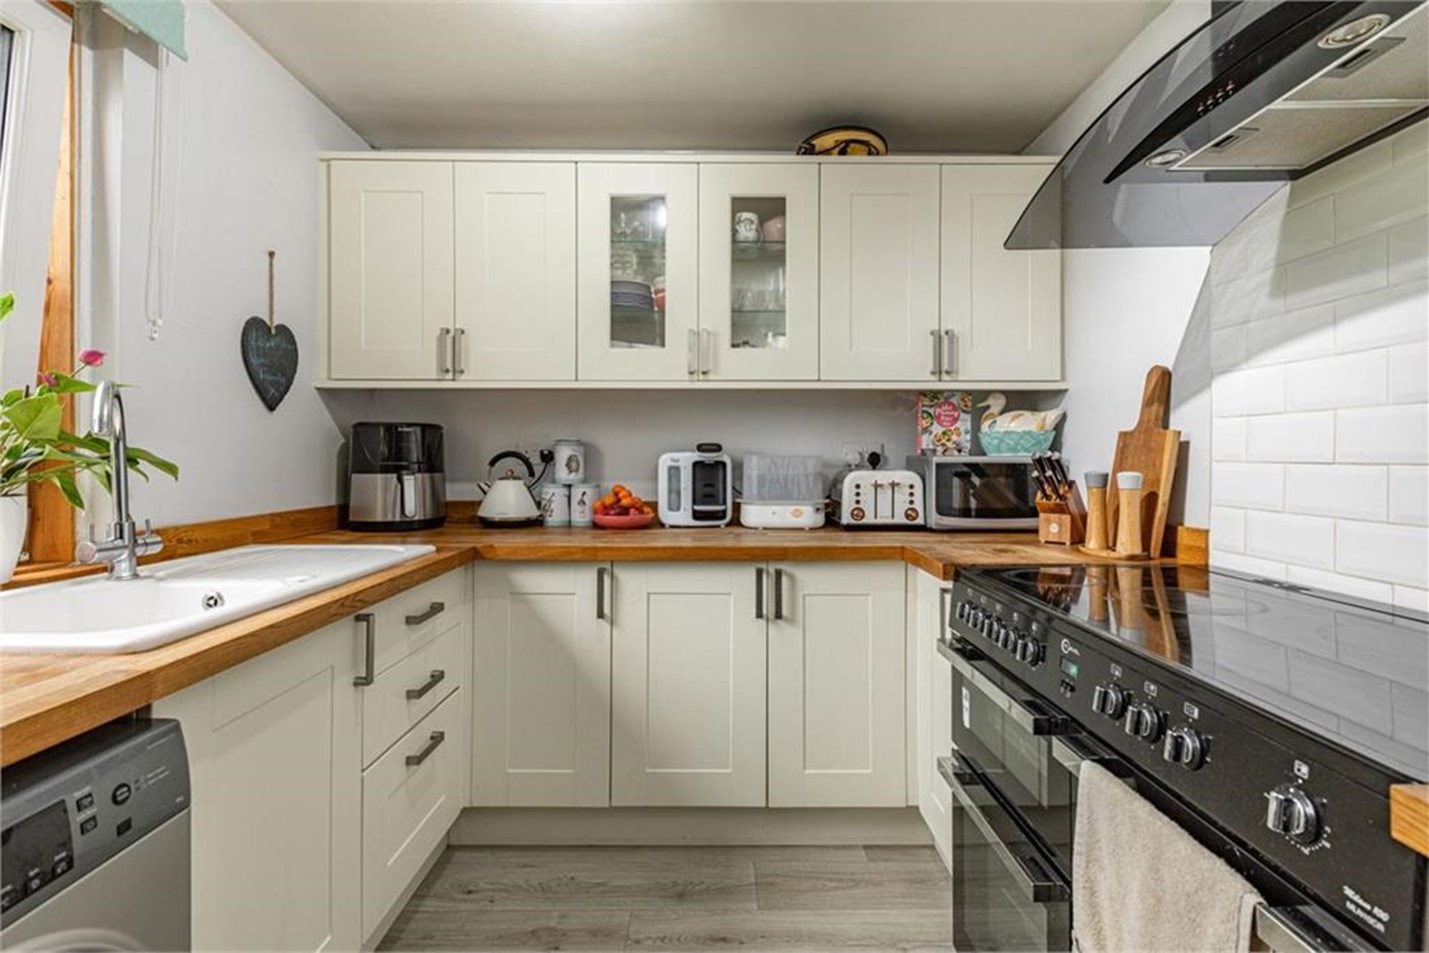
(1409, 816)
(171, 668)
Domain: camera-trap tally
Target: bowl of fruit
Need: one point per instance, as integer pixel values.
(621, 509)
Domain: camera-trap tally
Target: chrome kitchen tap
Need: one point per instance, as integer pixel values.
(122, 549)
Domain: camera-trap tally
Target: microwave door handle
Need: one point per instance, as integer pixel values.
(1037, 885)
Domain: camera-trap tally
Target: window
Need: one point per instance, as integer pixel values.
(7, 43)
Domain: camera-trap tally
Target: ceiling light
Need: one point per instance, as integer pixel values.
(1168, 158)
(1349, 34)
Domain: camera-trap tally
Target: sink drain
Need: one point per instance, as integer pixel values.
(212, 600)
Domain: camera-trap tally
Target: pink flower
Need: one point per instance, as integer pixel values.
(91, 358)
(49, 379)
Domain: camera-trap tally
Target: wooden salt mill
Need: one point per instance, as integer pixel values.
(1096, 540)
(1128, 524)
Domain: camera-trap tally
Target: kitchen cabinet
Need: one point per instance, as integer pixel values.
(390, 270)
(879, 272)
(1001, 309)
(274, 747)
(934, 706)
(759, 272)
(637, 274)
(515, 271)
(541, 730)
(836, 673)
(688, 685)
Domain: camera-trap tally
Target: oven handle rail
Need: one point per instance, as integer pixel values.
(1030, 714)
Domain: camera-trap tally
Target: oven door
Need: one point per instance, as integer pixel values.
(1007, 892)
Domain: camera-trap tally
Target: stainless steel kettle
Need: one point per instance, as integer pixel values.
(507, 499)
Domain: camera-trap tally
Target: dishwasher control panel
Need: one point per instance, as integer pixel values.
(69, 809)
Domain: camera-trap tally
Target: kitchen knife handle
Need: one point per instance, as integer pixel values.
(444, 351)
(692, 352)
(936, 370)
(368, 621)
(950, 353)
(759, 592)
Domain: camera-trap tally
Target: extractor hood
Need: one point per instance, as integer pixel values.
(1263, 93)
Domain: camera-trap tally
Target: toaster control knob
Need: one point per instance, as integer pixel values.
(1143, 721)
(911, 514)
(1290, 811)
(1109, 700)
(1184, 746)
(856, 514)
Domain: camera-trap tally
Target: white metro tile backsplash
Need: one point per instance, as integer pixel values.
(1319, 349)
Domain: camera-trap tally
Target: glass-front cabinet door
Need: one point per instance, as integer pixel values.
(638, 259)
(759, 280)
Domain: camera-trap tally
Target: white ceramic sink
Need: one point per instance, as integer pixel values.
(179, 598)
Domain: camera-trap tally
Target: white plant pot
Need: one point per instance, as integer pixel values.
(14, 520)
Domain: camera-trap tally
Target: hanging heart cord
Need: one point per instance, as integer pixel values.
(272, 329)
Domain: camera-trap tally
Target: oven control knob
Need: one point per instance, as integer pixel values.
(1029, 651)
(1184, 746)
(1143, 721)
(1290, 811)
(1109, 700)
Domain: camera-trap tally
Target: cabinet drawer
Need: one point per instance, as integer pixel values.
(404, 694)
(410, 798)
(409, 620)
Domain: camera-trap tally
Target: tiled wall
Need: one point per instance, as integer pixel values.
(1320, 395)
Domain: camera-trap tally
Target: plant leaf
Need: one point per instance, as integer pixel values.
(7, 304)
(166, 467)
(35, 418)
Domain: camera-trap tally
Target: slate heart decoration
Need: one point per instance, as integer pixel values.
(270, 356)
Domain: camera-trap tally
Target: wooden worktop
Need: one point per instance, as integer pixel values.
(48, 698)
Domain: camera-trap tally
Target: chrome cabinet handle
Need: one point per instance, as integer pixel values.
(444, 351)
(950, 353)
(759, 592)
(778, 594)
(431, 612)
(937, 369)
(706, 351)
(368, 621)
(601, 613)
(1037, 885)
(436, 679)
(692, 352)
(434, 741)
(458, 344)
(944, 619)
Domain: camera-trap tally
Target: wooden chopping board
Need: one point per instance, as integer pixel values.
(1148, 448)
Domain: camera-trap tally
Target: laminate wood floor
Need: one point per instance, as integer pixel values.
(679, 898)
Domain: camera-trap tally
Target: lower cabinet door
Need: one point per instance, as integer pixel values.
(688, 689)
(410, 798)
(934, 690)
(274, 747)
(541, 727)
(836, 672)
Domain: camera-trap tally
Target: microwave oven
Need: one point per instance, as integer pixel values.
(984, 493)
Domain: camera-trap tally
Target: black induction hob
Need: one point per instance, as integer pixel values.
(1354, 673)
(1278, 715)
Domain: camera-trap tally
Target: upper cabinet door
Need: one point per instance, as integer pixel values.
(1002, 310)
(759, 266)
(516, 271)
(390, 270)
(879, 272)
(638, 288)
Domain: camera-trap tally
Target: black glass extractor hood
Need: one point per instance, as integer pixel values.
(1261, 94)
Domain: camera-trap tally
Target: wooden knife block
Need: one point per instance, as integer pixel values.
(1062, 522)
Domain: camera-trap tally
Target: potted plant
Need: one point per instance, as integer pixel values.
(35, 447)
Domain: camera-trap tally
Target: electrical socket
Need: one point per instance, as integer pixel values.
(855, 452)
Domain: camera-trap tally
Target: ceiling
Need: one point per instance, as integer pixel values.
(949, 76)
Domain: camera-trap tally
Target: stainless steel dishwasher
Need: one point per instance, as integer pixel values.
(94, 842)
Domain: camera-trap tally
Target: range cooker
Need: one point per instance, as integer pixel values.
(1269, 720)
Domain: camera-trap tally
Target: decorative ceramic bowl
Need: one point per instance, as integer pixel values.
(1015, 443)
(630, 521)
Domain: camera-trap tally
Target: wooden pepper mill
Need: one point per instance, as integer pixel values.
(1096, 513)
(1128, 524)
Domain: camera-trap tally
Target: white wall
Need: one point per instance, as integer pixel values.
(1319, 343)
(247, 181)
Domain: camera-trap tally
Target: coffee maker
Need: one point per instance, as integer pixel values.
(396, 477)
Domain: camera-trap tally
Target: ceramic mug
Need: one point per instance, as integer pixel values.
(775, 228)
(746, 227)
(556, 504)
